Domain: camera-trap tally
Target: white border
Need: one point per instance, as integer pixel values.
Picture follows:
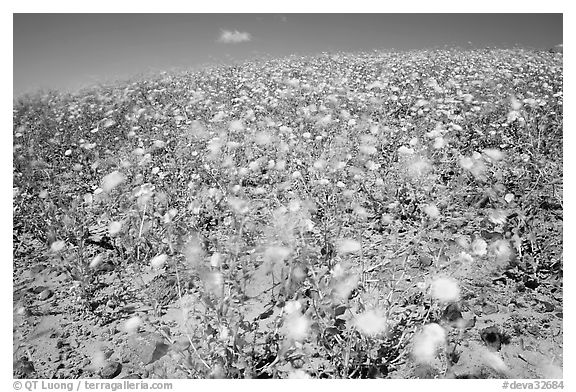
(300, 6)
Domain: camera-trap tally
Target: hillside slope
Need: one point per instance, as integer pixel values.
(345, 215)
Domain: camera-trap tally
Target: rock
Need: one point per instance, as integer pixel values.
(132, 376)
(23, 368)
(146, 348)
(531, 283)
(111, 369)
(452, 313)
(493, 338)
(38, 289)
(45, 294)
(488, 309)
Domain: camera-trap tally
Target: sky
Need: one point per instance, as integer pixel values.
(71, 51)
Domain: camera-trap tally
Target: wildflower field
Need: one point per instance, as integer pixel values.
(393, 215)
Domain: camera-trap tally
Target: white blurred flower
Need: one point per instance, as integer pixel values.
(432, 211)
(371, 165)
(338, 272)
(466, 163)
(515, 104)
(427, 342)
(465, 257)
(214, 281)
(236, 126)
(348, 246)
(498, 217)
(223, 333)
(158, 262)
(344, 285)
(509, 197)
(463, 241)
(263, 138)
(387, 219)
(292, 307)
(403, 150)
(159, 144)
(298, 374)
(114, 228)
(419, 167)
(479, 247)
(276, 254)
(296, 327)
(367, 149)
(370, 323)
(320, 164)
(57, 246)
(445, 290)
(494, 360)
(501, 250)
(112, 180)
(132, 324)
(215, 260)
(551, 371)
(88, 198)
(96, 261)
(170, 215)
(239, 206)
(494, 154)
(439, 142)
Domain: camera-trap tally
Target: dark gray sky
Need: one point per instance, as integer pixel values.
(68, 51)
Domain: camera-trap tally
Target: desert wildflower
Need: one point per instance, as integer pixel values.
(158, 262)
(112, 180)
(427, 343)
(370, 323)
(348, 246)
(445, 290)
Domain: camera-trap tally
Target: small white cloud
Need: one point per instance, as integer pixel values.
(234, 37)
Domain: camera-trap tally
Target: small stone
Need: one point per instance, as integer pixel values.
(38, 289)
(548, 307)
(111, 369)
(452, 313)
(493, 338)
(45, 294)
(23, 368)
(488, 309)
(133, 376)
